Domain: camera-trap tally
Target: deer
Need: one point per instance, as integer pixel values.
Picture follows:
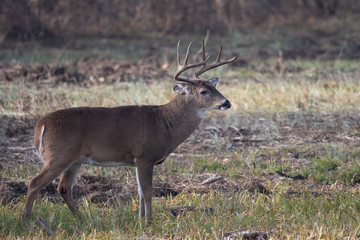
(140, 136)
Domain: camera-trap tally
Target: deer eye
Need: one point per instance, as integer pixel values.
(204, 92)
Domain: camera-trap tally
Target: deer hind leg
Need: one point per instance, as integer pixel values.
(45, 176)
(145, 189)
(65, 187)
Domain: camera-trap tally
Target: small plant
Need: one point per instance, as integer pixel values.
(204, 164)
(324, 165)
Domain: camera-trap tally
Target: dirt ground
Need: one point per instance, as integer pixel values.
(85, 72)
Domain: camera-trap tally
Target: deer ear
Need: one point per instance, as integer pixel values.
(180, 88)
(213, 81)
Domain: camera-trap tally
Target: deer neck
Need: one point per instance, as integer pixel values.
(182, 119)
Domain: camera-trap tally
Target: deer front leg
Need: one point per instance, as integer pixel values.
(144, 174)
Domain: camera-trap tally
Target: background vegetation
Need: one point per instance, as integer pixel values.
(24, 20)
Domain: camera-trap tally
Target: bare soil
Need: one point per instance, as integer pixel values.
(84, 72)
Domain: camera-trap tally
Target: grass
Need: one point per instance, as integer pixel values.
(305, 123)
(275, 94)
(320, 207)
(334, 216)
(59, 52)
(27, 99)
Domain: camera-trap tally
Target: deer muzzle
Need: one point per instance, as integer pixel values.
(225, 105)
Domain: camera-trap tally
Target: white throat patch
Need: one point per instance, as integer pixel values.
(201, 112)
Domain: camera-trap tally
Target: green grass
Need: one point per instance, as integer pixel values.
(291, 209)
(299, 215)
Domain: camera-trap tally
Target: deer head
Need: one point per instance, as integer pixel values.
(202, 93)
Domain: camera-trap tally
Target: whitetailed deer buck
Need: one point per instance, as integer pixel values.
(138, 136)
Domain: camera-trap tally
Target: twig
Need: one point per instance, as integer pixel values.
(351, 216)
(41, 223)
(238, 139)
(247, 235)
(296, 177)
(212, 180)
(127, 170)
(20, 149)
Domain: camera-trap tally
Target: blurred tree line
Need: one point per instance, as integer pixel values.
(37, 19)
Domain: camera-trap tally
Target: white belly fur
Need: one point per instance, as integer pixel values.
(103, 164)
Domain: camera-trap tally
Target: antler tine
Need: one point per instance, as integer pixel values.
(178, 54)
(216, 64)
(186, 66)
(187, 54)
(203, 49)
(203, 56)
(219, 55)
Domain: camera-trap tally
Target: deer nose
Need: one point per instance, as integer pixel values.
(226, 104)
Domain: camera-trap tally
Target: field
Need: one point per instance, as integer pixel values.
(285, 157)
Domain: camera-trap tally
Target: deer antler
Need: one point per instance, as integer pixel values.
(216, 64)
(186, 66)
(204, 68)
